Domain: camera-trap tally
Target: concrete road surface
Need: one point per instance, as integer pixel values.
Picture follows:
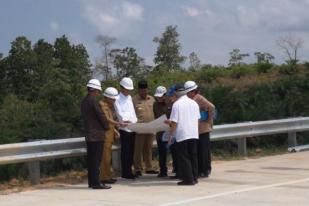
(277, 180)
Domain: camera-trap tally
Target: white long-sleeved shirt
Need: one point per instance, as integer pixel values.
(125, 110)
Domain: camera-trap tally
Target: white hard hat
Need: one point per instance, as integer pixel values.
(190, 85)
(127, 83)
(160, 91)
(111, 92)
(95, 84)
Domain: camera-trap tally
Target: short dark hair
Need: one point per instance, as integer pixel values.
(142, 84)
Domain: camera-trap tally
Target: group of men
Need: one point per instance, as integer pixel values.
(189, 116)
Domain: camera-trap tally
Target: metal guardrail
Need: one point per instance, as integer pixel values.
(72, 147)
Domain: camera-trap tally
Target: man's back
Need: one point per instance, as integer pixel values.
(94, 119)
(185, 112)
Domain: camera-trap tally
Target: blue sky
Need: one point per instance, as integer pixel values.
(211, 28)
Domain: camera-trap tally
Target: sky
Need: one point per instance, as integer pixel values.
(210, 28)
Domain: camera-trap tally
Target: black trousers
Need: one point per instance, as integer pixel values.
(94, 155)
(173, 149)
(187, 156)
(127, 140)
(204, 154)
(162, 153)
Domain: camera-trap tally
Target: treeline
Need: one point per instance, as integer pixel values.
(41, 86)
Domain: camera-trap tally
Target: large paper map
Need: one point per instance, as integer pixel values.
(154, 126)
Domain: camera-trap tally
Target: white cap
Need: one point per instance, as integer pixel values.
(160, 91)
(111, 92)
(95, 84)
(127, 83)
(190, 85)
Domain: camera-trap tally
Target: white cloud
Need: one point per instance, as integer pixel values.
(54, 26)
(275, 15)
(132, 11)
(117, 20)
(192, 11)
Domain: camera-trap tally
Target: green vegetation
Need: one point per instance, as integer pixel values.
(41, 87)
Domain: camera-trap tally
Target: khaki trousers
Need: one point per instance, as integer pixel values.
(143, 151)
(105, 167)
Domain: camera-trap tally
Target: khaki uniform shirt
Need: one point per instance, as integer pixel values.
(144, 108)
(205, 105)
(111, 118)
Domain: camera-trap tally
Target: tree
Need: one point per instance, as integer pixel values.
(127, 62)
(195, 62)
(20, 68)
(168, 52)
(103, 64)
(264, 57)
(236, 57)
(290, 46)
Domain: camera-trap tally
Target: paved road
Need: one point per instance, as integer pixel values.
(277, 180)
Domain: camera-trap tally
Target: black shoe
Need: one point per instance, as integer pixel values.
(186, 183)
(102, 187)
(130, 177)
(110, 181)
(203, 175)
(138, 174)
(162, 175)
(153, 172)
(174, 177)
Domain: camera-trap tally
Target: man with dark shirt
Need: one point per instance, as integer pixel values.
(95, 125)
(159, 109)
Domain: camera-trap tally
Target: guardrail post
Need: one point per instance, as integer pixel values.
(116, 159)
(242, 146)
(34, 172)
(292, 139)
(34, 168)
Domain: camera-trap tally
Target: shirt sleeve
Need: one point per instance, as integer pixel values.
(100, 115)
(118, 111)
(175, 113)
(133, 114)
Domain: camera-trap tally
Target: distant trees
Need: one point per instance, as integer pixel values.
(195, 62)
(127, 62)
(103, 64)
(264, 57)
(236, 58)
(290, 46)
(168, 54)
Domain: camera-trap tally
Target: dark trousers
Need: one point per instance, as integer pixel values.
(94, 154)
(187, 156)
(173, 149)
(127, 140)
(162, 153)
(204, 154)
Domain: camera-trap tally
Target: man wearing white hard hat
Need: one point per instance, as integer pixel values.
(184, 127)
(160, 108)
(107, 105)
(95, 125)
(126, 114)
(205, 127)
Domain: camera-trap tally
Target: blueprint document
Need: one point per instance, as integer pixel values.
(152, 127)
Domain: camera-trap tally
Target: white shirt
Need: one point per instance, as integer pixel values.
(186, 113)
(125, 110)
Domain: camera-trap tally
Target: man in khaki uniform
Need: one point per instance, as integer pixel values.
(207, 110)
(107, 106)
(143, 104)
